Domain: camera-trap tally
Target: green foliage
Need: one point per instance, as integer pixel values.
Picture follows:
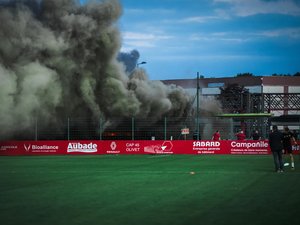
(297, 74)
(244, 75)
(286, 75)
(234, 89)
(274, 74)
(234, 98)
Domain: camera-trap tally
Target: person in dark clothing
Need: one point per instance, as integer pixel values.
(287, 145)
(275, 141)
(255, 135)
(295, 134)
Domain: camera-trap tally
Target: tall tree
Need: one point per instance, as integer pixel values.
(234, 98)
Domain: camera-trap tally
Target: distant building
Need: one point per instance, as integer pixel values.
(278, 95)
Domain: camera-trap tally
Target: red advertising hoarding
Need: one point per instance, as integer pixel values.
(94, 147)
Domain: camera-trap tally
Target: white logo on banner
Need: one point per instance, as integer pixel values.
(78, 147)
(113, 146)
(207, 147)
(27, 148)
(166, 147)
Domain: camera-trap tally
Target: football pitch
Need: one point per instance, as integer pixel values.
(147, 190)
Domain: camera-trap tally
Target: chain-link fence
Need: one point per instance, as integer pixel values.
(140, 129)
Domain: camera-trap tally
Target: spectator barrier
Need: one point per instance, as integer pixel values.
(95, 147)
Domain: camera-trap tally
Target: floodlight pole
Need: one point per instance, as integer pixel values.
(132, 128)
(68, 129)
(198, 130)
(36, 129)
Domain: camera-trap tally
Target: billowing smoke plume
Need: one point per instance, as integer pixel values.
(58, 59)
(210, 108)
(130, 60)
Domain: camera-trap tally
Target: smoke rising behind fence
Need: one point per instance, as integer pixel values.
(58, 59)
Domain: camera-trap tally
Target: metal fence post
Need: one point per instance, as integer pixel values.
(165, 128)
(132, 128)
(100, 129)
(68, 128)
(198, 113)
(36, 130)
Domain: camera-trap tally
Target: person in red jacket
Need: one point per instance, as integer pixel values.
(216, 136)
(240, 135)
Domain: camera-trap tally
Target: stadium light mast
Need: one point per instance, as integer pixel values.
(198, 130)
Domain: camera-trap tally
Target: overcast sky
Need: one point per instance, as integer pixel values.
(216, 38)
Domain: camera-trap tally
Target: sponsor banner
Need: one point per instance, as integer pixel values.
(82, 147)
(92, 147)
(249, 147)
(31, 147)
(47, 147)
(209, 147)
(159, 148)
(113, 147)
(137, 147)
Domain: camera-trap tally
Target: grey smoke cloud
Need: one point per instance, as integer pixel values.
(130, 59)
(58, 59)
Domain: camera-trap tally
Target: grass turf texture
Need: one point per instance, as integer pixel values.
(145, 189)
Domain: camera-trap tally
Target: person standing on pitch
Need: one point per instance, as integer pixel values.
(216, 136)
(288, 137)
(275, 142)
(240, 135)
(255, 135)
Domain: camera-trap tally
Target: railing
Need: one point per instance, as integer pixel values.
(134, 129)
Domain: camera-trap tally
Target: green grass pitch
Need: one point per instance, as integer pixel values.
(147, 189)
